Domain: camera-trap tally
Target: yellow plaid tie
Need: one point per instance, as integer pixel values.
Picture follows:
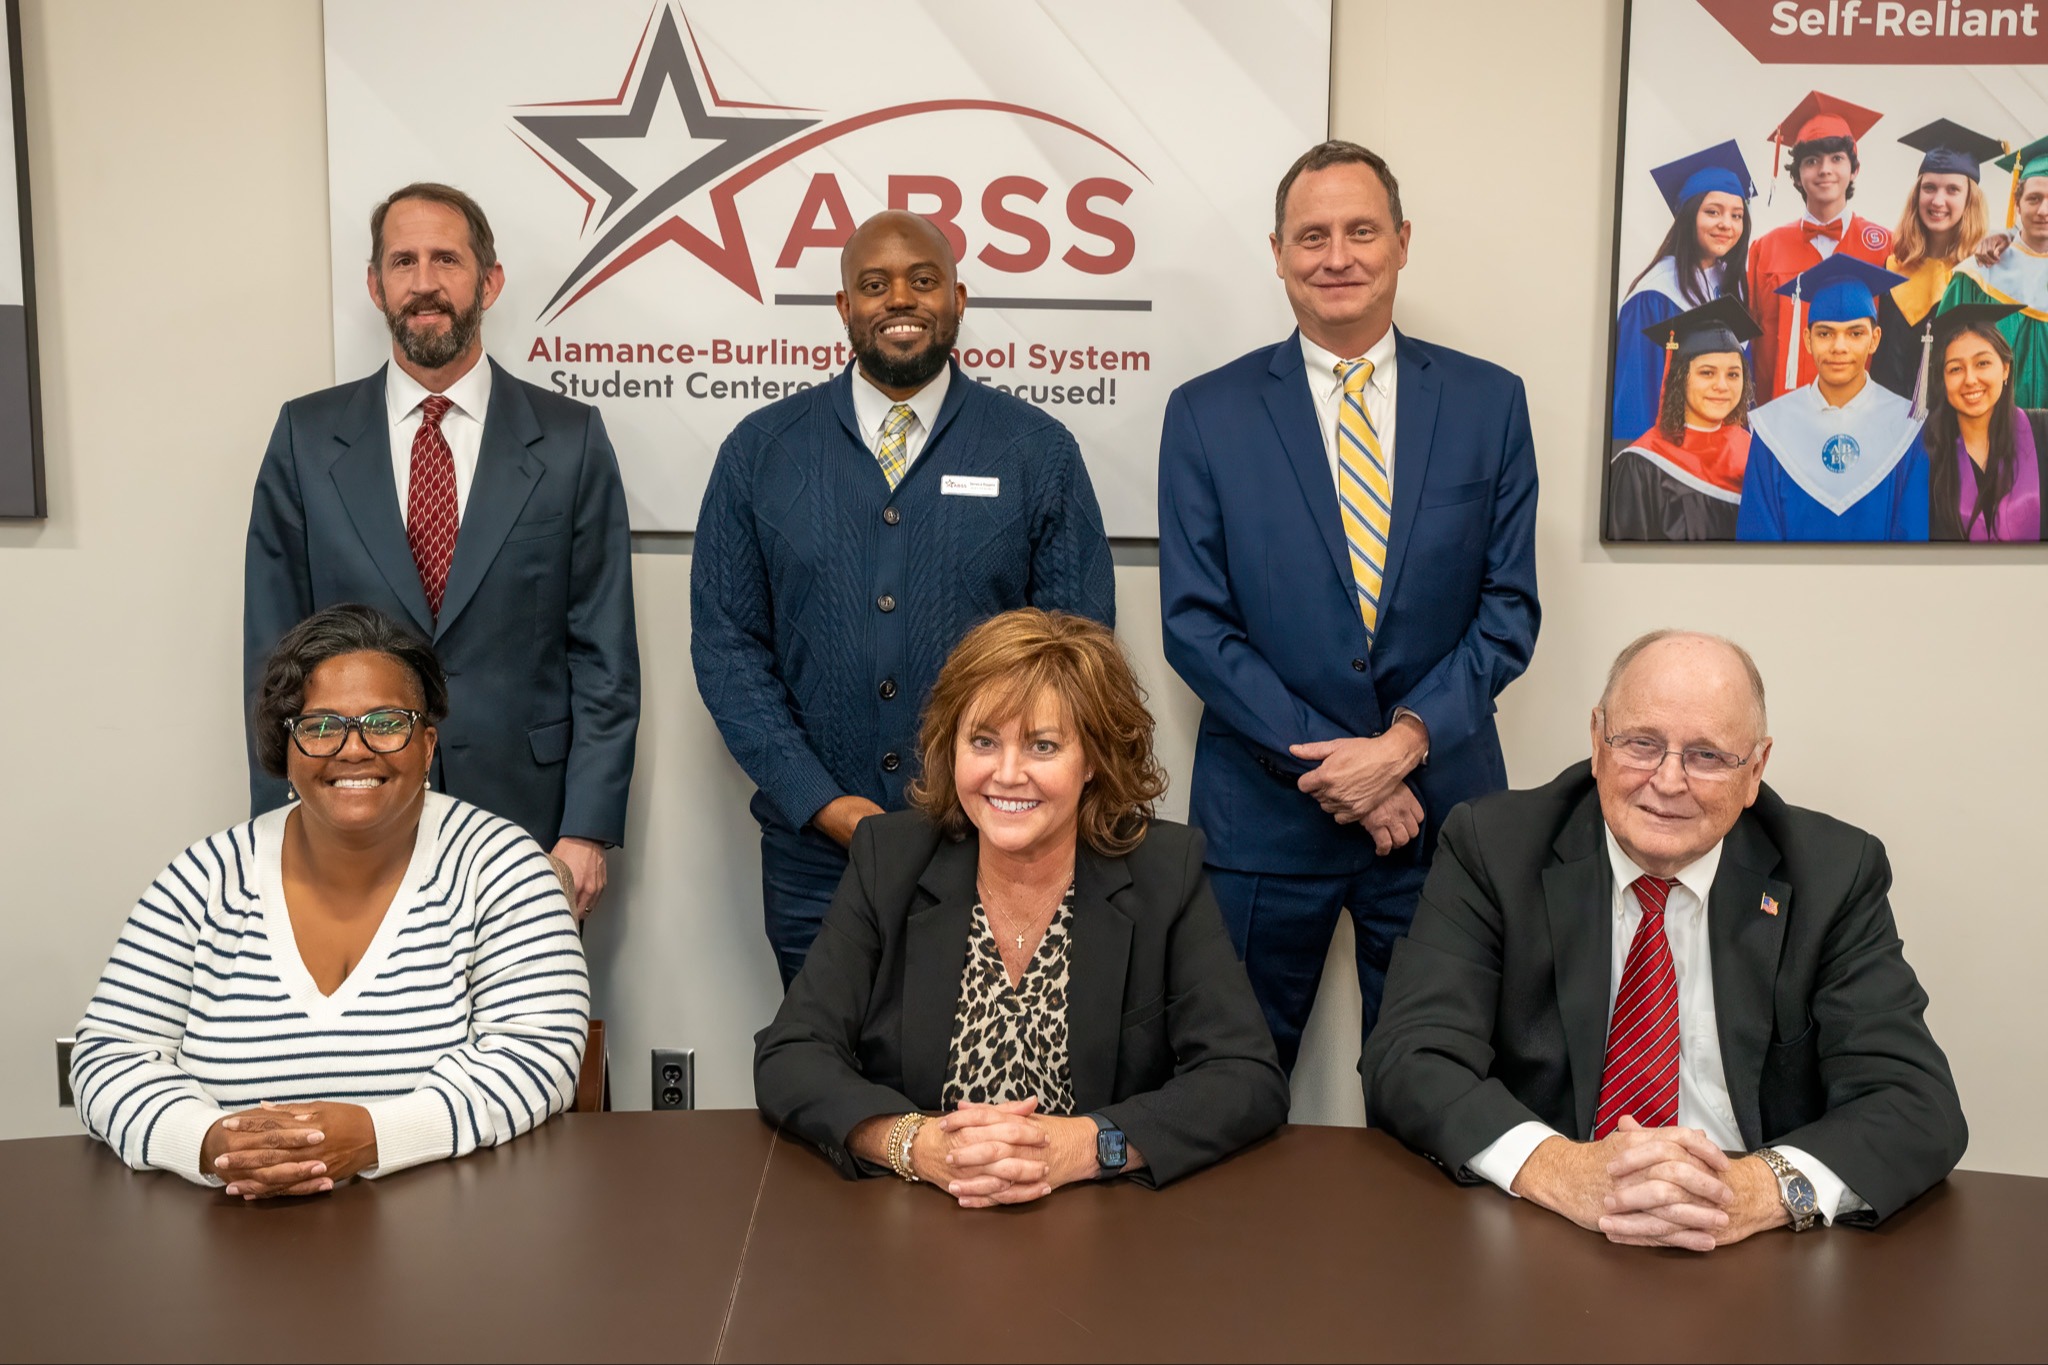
(1365, 495)
(893, 455)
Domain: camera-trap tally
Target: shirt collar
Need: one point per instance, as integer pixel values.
(470, 395)
(1842, 218)
(871, 406)
(1696, 876)
(1322, 366)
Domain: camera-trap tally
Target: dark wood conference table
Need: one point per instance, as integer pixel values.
(704, 1236)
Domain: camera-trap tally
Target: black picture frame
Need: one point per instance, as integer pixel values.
(23, 494)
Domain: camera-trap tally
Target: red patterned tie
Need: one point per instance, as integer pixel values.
(1641, 1075)
(431, 518)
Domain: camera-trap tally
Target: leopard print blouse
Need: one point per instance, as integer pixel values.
(1011, 1043)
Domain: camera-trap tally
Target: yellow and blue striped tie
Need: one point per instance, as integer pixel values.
(1365, 493)
(894, 452)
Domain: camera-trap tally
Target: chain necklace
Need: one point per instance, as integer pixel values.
(1016, 937)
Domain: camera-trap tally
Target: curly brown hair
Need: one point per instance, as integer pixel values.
(1011, 664)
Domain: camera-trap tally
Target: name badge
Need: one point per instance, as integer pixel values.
(969, 486)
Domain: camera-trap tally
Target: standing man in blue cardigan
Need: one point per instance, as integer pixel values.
(851, 534)
(1347, 569)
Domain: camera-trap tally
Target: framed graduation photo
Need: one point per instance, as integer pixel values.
(1831, 273)
(21, 427)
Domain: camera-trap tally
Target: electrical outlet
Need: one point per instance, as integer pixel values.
(675, 1078)
(64, 1100)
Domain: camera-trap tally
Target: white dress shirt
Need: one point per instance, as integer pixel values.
(1703, 1101)
(1825, 245)
(871, 409)
(462, 426)
(1327, 389)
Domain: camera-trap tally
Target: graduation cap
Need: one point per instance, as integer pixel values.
(2030, 160)
(1717, 168)
(1952, 149)
(1941, 328)
(1711, 329)
(1839, 289)
(1818, 116)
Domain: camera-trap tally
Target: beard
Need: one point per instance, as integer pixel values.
(913, 371)
(430, 350)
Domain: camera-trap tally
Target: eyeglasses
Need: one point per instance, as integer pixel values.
(1642, 754)
(384, 731)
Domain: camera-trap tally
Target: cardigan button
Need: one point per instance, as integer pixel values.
(888, 689)
(891, 515)
(890, 762)
(1358, 665)
(886, 602)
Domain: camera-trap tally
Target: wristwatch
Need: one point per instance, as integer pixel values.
(1111, 1151)
(1795, 1189)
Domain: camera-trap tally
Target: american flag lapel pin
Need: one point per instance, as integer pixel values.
(1770, 905)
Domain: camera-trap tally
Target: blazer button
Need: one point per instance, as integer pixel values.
(1358, 665)
(891, 515)
(890, 763)
(886, 602)
(888, 689)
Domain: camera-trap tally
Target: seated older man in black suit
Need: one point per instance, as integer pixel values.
(1616, 980)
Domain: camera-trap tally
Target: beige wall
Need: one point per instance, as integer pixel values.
(179, 309)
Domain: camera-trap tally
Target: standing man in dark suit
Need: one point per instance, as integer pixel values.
(1347, 570)
(851, 534)
(1616, 979)
(486, 511)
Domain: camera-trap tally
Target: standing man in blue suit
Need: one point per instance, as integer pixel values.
(1348, 578)
(485, 511)
(851, 534)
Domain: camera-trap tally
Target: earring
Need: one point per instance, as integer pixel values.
(291, 793)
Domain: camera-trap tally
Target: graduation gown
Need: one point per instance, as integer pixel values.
(1639, 361)
(2018, 514)
(1857, 472)
(1900, 313)
(1660, 491)
(1774, 259)
(2020, 277)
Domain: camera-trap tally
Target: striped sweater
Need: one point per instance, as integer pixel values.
(462, 1026)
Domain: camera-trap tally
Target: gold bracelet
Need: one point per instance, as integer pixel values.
(901, 1134)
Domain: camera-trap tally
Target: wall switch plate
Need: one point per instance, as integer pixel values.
(675, 1078)
(64, 1100)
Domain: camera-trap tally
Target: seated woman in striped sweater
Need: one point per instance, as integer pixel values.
(374, 976)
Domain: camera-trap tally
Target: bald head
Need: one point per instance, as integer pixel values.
(900, 298)
(1679, 746)
(889, 232)
(1707, 672)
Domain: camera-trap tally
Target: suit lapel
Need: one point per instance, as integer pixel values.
(935, 954)
(505, 475)
(1744, 942)
(1301, 437)
(1416, 393)
(363, 479)
(1578, 894)
(1099, 960)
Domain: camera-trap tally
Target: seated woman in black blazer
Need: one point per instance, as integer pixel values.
(1024, 981)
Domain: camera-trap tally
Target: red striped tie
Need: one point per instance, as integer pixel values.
(1641, 1075)
(431, 517)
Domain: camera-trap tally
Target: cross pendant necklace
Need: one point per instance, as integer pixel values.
(1018, 937)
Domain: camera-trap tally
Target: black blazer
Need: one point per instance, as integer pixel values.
(1496, 1002)
(1166, 1039)
(536, 630)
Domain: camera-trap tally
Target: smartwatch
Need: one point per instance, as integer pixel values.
(1111, 1151)
(1793, 1188)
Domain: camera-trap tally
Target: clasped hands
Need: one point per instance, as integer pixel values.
(289, 1149)
(1640, 1186)
(1360, 781)
(990, 1154)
